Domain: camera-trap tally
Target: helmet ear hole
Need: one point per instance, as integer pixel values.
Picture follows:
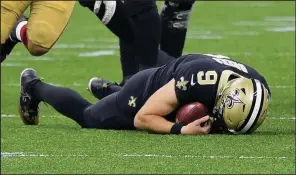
(232, 77)
(243, 90)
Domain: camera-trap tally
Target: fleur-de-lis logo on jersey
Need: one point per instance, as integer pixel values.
(132, 101)
(182, 84)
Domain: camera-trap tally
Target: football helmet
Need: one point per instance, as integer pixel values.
(241, 104)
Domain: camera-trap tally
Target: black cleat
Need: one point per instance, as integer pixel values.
(28, 105)
(101, 88)
(6, 48)
(98, 87)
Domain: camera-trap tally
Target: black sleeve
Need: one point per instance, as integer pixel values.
(187, 87)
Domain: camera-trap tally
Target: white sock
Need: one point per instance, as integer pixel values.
(19, 28)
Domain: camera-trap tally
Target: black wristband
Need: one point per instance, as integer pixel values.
(176, 128)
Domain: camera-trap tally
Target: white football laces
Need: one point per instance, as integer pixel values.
(110, 8)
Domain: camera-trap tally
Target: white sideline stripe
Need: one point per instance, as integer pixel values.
(53, 116)
(24, 154)
(202, 156)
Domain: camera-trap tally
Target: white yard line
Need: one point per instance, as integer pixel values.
(83, 46)
(206, 37)
(97, 53)
(282, 29)
(24, 154)
(262, 23)
(13, 64)
(280, 18)
(16, 116)
(75, 84)
(53, 116)
(99, 40)
(282, 87)
(202, 156)
(32, 58)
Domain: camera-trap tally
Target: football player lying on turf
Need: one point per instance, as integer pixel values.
(236, 94)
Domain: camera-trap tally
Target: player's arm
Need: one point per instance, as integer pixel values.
(162, 102)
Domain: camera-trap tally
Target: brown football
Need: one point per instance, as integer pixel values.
(190, 112)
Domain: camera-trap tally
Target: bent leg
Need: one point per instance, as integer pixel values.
(11, 11)
(47, 22)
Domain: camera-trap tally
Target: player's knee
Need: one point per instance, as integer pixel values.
(177, 13)
(40, 39)
(37, 50)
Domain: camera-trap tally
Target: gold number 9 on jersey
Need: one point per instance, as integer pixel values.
(210, 77)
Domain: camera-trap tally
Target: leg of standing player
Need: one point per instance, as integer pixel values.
(174, 22)
(11, 11)
(142, 54)
(120, 23)
(47, 22)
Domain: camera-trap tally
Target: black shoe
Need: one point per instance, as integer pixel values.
(28, 106)
(6, 48)
(101, 88)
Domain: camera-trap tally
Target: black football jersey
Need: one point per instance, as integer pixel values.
(197, 77)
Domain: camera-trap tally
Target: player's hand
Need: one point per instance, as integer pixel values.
(110, 8)
(195, 127)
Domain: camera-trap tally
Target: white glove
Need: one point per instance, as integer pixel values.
(110, 8)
